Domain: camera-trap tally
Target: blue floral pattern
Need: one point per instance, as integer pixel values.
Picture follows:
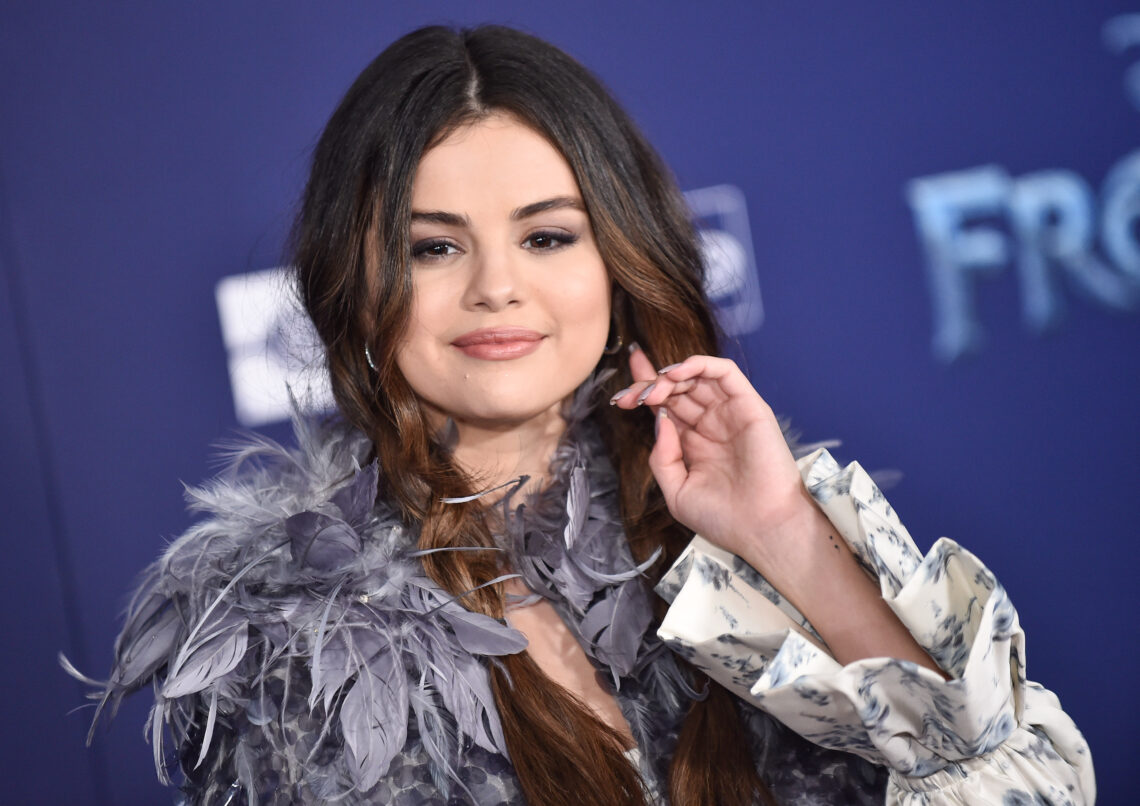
(986, 735)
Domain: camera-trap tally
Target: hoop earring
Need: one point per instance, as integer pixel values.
(608, 350)
(368, 358)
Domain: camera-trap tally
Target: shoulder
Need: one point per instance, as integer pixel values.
(261, 554)
(263, 482)
(283, 515)
(299, 571)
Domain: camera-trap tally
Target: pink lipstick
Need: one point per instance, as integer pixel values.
(498, 343)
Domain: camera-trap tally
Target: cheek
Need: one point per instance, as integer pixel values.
(417, 355)
(428, 316)
(584, 300)
(584, 311)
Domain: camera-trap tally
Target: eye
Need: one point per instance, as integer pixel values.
(549, 240)
(433, 249)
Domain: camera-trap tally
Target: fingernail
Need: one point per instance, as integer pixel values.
(620, 395)
(662, 413)
(663, 370)
(645, 393)
(634, 347)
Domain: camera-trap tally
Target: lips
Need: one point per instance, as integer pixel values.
(499, 343)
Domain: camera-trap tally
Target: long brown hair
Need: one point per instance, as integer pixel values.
(351, 254)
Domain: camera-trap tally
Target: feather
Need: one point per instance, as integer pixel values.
(577, 506)
(482, 635)
(157, 713)
(465, 688)
(515, 483)
(146, 639)
(69, 667)
(211, 655)
(615, 626)
(318, 646)
(301, 585)
(209, 732)
(348, 651)
(244, 766)
(356, 499)
(373, 737)
(321, 542)
(437, 741)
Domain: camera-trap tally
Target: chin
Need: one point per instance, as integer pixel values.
(505, 398)
(505, 414)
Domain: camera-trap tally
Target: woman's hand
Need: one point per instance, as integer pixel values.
(726, 472)
(721, 459)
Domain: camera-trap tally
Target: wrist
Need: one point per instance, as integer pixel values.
(789, 547)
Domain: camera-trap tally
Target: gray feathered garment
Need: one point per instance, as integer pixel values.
(299, 653)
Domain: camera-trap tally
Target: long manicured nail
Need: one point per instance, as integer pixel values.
(662, 413)
(634, 347)
(663, 370)
(641, 398)
(620, 395)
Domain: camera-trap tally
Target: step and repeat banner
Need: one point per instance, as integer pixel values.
(922, 227)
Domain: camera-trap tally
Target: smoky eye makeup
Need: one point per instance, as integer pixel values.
(550, 240)
(429, 249)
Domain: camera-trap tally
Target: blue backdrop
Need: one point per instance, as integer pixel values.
(942, 201)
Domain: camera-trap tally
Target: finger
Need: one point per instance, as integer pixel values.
(666, 459)
(661, 389)
(706, 393)
(684, 410)
(723, 371)
(627, 397)
(711, 365)
(640, 366)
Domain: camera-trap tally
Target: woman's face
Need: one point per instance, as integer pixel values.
(512, 300)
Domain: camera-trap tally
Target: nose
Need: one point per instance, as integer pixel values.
(493, 283)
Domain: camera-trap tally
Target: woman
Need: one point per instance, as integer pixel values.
(445, 597)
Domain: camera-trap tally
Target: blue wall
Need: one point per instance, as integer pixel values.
(150, 149)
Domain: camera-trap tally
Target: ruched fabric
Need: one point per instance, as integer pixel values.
(986, 735)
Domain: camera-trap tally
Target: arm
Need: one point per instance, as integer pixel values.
(821, 578)
(726, 472)
(969, 729)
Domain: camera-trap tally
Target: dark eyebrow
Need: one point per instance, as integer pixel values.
(440, 217)
(557, 203)
(519, 213)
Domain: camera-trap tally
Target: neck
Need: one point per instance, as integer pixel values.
(495, 453)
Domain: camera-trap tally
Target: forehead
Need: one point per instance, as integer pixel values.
(495, 160)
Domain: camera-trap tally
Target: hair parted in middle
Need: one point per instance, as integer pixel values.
(352, 256)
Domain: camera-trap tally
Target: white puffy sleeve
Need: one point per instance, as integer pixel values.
(986, 735)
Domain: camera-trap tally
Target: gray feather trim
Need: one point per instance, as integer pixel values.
(300, 564)
(569, 545)
(296, 563)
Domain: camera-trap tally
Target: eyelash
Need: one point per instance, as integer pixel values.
(422, 250)
(558, 240)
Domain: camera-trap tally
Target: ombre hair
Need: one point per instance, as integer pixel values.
(352, 256)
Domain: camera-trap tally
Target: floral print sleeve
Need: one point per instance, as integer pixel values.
(986, 735)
